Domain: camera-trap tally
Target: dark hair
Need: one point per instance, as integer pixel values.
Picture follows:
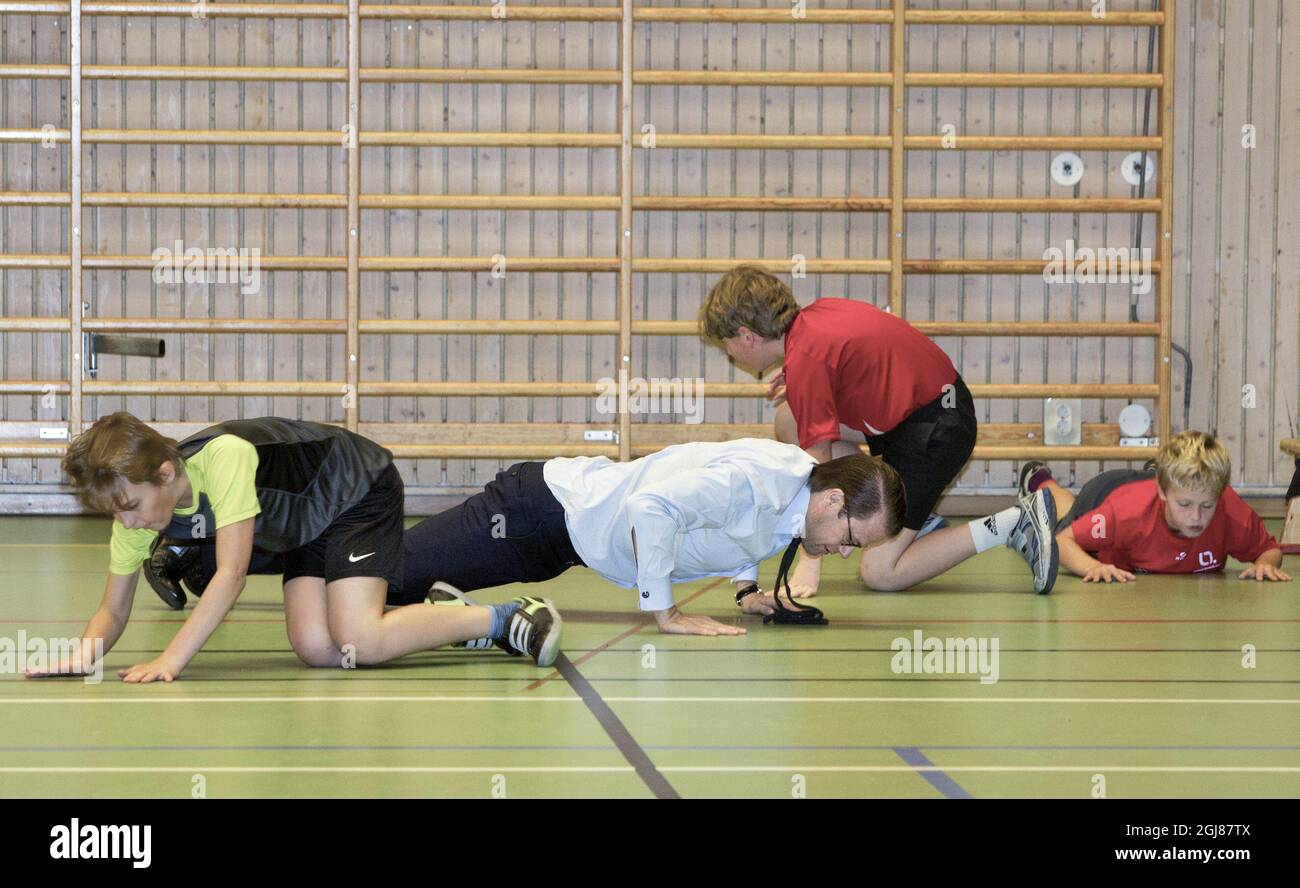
(870, 486)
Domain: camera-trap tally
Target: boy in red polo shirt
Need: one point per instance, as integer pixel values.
(1180, 518)
(854, 374)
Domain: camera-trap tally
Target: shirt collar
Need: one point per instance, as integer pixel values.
(790, 523)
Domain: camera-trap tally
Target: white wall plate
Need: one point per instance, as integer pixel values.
(1062, 421)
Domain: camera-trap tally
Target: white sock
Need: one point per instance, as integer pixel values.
(992, 531)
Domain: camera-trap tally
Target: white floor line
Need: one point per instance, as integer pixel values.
(621, 769)
(520, 698)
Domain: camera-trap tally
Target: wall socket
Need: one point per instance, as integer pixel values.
(1062, 421)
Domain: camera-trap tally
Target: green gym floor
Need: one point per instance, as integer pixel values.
(1137, 690)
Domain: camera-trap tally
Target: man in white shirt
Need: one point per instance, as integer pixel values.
(686, 512)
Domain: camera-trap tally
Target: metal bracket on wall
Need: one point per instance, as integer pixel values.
(95, 344)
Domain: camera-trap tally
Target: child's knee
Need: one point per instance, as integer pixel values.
(360, 646)
(316, 651)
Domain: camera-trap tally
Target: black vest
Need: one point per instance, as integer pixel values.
(308, 475)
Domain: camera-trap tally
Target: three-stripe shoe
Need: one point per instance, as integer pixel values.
(534, 630)
(1034, 538)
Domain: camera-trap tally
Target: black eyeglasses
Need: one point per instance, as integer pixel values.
(849, 526)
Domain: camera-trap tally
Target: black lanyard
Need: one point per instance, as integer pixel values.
(798, 614)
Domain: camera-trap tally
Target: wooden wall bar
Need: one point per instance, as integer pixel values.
(440, 198)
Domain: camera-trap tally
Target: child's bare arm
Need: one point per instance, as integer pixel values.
(107, 623)
(234, 549)
(1080, 563)
(1266, 567)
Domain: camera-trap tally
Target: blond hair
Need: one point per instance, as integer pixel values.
(749, 297)
(117, 448)
(1193, 461)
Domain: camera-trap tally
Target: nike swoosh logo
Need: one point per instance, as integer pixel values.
(354, 559)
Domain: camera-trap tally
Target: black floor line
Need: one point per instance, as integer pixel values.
(632, 751)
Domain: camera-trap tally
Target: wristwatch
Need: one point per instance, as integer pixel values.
(746, 590)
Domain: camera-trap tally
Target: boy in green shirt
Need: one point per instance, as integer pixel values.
(329, 500)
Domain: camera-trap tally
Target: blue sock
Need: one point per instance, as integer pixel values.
(500, 616)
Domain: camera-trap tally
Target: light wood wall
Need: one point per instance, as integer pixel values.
(1236, 274)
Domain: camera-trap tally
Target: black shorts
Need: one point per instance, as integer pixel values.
(1094, 493)
(929, 449)
(365, 541)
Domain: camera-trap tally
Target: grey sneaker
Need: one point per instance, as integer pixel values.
(1034, 538)
(1027, 473)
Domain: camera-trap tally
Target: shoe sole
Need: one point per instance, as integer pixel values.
(457, 596)
(1025, 475)
(551, 646)
(173, 598)
(1055, 560)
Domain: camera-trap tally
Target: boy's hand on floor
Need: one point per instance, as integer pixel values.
(155, 670)
(674, 622)
(1107, 573)
(63, 667)
(1261, 571)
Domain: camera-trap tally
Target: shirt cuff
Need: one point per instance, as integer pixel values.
(748, 575)
(655, 595)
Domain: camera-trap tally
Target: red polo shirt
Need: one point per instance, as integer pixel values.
(850, 363)
(1129, 531)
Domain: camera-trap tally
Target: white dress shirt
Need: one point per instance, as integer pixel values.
(699, 510)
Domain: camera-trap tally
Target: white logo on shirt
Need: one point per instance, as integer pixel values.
(1181, 556)
(1207, 560)
(355, 558)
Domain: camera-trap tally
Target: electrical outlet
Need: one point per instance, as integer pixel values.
(1062, 421)
(600, 436)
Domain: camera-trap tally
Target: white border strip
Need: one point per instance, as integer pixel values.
(531, 699)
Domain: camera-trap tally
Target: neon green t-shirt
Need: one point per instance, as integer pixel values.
(224, 470)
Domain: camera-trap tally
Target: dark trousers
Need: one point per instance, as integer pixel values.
(511, 532)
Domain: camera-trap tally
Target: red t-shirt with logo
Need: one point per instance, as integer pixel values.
(850, 363)
(1129, 531)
